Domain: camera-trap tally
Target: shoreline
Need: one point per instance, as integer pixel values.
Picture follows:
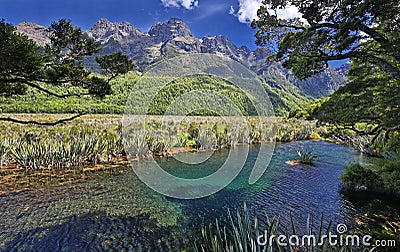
(16, 179)
(14, 176)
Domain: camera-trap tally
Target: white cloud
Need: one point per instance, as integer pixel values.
(289, 12)
(232, 11)
(248, 11)
(188, 4)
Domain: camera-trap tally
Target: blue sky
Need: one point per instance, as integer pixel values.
(203, 17)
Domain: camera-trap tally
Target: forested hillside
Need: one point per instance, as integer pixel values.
(38, 102)
(162, 41)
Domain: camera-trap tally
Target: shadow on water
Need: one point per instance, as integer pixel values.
(379, 214)
(96, 231)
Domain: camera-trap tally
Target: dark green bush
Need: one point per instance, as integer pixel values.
(383, 178)
(358, 177)
(391, 176)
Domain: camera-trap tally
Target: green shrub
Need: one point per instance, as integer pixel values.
(315, 135)
(358, 177)
(391, 176)
(193, 131)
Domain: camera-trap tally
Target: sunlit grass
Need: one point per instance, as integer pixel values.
(96, 139)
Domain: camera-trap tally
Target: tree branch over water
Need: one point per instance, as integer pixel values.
(60, 121)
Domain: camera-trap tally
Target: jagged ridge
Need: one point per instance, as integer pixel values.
(171, 38)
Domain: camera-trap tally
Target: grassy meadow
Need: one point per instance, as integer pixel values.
(95, 142)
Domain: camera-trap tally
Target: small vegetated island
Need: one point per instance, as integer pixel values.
(63, 91)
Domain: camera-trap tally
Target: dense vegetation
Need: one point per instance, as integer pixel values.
(382, 176)
(57, 70)
(34, 101)
(367, 109)
(56, 78)
(95, 139)
(366, 32)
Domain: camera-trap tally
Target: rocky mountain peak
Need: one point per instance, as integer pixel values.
(174, 28)
(222, 44)
(103, 22)
(171, 38)
(218, 41)
(35, 32)
(104, 30)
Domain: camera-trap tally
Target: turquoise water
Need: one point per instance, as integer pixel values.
(122, 213)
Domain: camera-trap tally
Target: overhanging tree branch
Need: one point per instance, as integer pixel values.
(387, 67)
(390, 69)
(40, 88)
(14, 120)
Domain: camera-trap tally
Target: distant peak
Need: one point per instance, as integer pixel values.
(172, 22)
(30, 24)
(103, 20)
(105, 30)
(35, 32)
(176, 20)
(173, 28)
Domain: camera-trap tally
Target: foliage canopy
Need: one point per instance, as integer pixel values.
(366, 32)
(58, 66)
(332, 30)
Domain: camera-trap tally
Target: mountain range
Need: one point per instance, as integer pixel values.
(172, 38)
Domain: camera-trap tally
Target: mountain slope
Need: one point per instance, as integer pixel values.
(172, 38)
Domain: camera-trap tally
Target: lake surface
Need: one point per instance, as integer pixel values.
(120, 212)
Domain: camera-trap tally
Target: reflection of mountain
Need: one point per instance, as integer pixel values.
(165, 40)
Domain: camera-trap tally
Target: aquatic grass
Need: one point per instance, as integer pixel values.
(99, 138)
(158, 144)
(136, 144)
(306, 155)
(243, 230)
(207, 139)
(5, 148)
(63, 147)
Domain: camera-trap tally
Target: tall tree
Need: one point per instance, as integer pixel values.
(332, 30)
(371, 97)
(21, 62)
(366, 32)
(25, 65)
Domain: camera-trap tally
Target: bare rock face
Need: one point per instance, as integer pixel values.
(222, 45)
(174, 28)
(174, 38)
(104, 30)
(35, 32)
